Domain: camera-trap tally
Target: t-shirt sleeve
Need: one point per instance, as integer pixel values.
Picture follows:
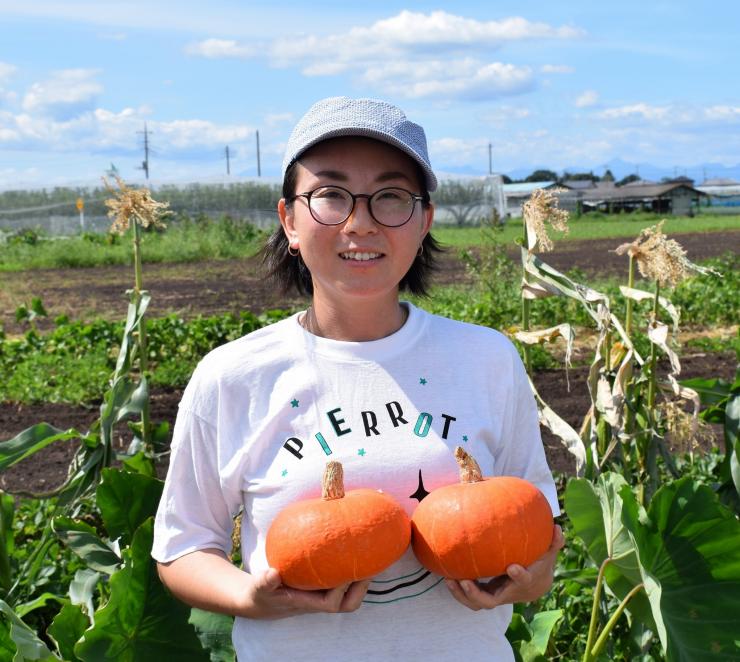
(193, 513)
(522, 452)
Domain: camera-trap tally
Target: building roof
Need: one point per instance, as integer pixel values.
(579, 184)
(721, 190)
(525, 188)
(644, 192)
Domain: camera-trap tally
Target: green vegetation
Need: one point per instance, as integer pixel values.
(185, 240)
(595, 226)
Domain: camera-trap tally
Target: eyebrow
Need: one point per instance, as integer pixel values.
(383, 177)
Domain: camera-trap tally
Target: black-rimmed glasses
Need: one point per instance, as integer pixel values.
(333, 205)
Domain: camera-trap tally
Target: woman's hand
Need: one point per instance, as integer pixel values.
(269, 598)
(519, 584)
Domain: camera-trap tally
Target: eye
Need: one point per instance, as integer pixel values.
(392, 195)
(328, 193)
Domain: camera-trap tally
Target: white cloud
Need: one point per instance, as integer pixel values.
(642, 110)
(721, 112)
(556, 69)
(276, 119)
(411, 32)
(6, 70)
(587, 98)
(113, 36)
(65, 94)
(460, 79)
(102, 130)
(220, 48)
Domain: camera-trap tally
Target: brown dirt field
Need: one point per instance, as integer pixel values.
(216, 287)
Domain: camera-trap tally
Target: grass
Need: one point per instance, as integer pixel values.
(185, 240)
(192, 240)
(596, 226)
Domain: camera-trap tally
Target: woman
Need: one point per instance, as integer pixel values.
(359, 377)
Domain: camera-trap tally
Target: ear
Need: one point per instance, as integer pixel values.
(427, 220)
(285, 213)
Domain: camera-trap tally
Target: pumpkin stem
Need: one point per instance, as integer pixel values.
(469, 470)
(332, 484)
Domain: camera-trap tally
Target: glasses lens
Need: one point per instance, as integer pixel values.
(330, 205)
(392, 206)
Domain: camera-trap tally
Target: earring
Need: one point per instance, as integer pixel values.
(291, 251)
(420, 252)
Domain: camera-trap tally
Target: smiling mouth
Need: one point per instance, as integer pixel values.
(360, 257)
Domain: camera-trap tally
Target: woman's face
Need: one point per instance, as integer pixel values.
(337, 255)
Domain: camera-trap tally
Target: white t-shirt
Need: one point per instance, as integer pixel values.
(262, 415)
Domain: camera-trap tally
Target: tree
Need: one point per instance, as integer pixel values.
(461, 199)
(542, 176)
(607, 176)
(628, 179)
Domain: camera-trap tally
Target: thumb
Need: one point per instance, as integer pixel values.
(268, 580)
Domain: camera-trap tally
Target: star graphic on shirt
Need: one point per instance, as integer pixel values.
(285, 473)
(294, 403)
(361, 452)
(422, 381)
(465, 437)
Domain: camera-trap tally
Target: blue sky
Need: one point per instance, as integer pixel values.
(558, 85)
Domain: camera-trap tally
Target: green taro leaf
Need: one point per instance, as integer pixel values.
(141, 621)
(214, 632)
(595, 511)
(688, 547)
(28, 645)
(126, 500)
(84, 541)
(82, 589)
(31, 440)
(67, 628)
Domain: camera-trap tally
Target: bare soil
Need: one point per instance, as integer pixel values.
(216, 287)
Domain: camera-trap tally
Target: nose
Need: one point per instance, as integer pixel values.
(360, 221)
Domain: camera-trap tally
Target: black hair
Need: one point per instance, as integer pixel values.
(290, 273)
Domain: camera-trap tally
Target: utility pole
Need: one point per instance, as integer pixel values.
(228, 166)
(145, 163)
(259, 169)
(490, 159)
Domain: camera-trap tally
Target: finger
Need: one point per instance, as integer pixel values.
(558, 539)
(354, 596)
(267, 581)
(460, 594)
(332, 599)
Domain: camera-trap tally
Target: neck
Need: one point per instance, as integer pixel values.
(357, 322)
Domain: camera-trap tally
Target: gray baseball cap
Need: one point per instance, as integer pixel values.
(341, 116)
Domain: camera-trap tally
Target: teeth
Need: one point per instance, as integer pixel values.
(360, 256)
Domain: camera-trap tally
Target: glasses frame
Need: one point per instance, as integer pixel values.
(308, 194)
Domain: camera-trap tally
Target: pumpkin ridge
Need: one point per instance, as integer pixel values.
(433, 547)
(466, 513)
(309, 561)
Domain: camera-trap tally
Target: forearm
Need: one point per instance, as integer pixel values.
(208, 580)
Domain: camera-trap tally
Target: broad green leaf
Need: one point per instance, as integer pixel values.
(28, 645)
(82, 589)
(67, 628)
(141, 621)
(126, 500)
(688, 547)
(214, 632)
(542, 626)
(711, 391)
(31, 440)
(41, 601)
(7, 647)
(139, 463)
(595, 510)
(84, 541)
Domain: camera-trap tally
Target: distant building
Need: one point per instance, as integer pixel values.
(678, 197)
(723, 194)
(515, 195)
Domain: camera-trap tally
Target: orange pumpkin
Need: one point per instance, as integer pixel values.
(341, 537)
(480, 526)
